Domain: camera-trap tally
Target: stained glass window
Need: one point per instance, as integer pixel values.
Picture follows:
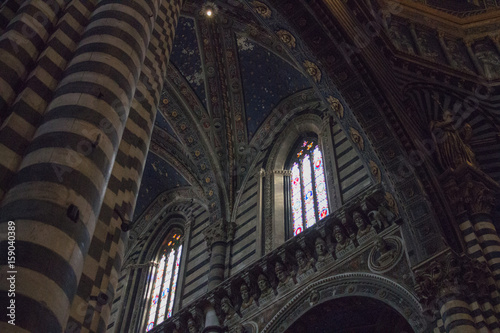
(164, 281)
(309, 200)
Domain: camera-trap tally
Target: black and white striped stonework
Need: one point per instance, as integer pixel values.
(244, 247)
(62, 166)
(8, 10)
(353, 175)
(125, 178)
(21, 42)
(198, 260)
(27, 111)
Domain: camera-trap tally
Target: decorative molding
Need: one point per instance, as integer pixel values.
(313, 70)
(336, 106)
(375, 171)
(357, 138)
(349, 284)
(261, 8)
(287, 38)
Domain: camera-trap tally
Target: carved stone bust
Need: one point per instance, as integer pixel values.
(304, 264)
(227, 308)
(363, 227)
(246, 298)
(386, 254)
(281, 274)
(342, 240)
(321, 249)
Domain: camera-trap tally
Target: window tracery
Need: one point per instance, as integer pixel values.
(163, 281)
(309, 200)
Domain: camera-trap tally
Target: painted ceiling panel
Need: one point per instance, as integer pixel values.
(267, 79)
(186, 56)
(158, 177)
(164, 125)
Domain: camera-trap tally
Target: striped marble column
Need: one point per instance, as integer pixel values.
(58, 192)
(473, 192)
(22, 41)
(456, 314)
(217, 236)
(27, 111)
(468, 233)
(8, 10)
(451, 286)
(489, 241)
(123, 187)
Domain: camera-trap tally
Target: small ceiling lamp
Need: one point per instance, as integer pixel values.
(209, 9)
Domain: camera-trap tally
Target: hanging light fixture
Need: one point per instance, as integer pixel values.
(209, 9)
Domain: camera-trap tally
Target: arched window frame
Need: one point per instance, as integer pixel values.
(274, 203)
(172, 250)
(305, 148)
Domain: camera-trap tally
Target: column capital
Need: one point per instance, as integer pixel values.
(220, 231)
(448, 274)
(469, 189)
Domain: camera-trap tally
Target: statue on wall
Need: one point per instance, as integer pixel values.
(304, 265)
(246, 298)
(386, 254)
(363, 228)
(452, 146)
(265, 288)
(343, 241)
(227, 308)
(321, 249)
(281, 274)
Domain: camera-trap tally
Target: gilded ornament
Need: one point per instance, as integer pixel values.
(287, 38)
(165, 101)
(313, 70)
(375, 171)
(337, 107)
(357, 138)
(261, 9)
(174, 114)
(391, 203)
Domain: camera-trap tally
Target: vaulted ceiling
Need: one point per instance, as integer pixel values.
(223, 102)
